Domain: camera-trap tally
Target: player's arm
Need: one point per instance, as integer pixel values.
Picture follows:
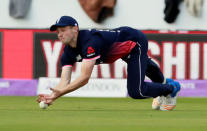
(65, 77)
(86, 71)
(64, 81)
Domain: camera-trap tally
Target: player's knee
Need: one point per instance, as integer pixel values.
(135, 95)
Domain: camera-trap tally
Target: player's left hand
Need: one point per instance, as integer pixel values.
(49, 99)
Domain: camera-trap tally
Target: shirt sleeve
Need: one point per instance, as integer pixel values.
(92, 49)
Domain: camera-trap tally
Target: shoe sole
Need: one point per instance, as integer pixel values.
(167, 107)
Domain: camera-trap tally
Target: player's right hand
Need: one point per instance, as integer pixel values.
(42, 97)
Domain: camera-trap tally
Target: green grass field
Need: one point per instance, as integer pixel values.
(101, 114)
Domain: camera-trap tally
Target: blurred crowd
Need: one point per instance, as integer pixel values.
(98, 10)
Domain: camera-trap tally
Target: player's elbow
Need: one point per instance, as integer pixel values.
(85, 80)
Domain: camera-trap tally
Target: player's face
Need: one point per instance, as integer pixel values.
(67, 35)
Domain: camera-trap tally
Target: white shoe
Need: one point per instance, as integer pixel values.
(168, 104)
(156, 103)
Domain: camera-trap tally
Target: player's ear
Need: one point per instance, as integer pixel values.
(75, 28)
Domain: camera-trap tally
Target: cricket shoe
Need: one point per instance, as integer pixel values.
(169, 102)
(156, 103)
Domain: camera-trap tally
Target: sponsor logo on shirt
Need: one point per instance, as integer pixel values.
(90, 51)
